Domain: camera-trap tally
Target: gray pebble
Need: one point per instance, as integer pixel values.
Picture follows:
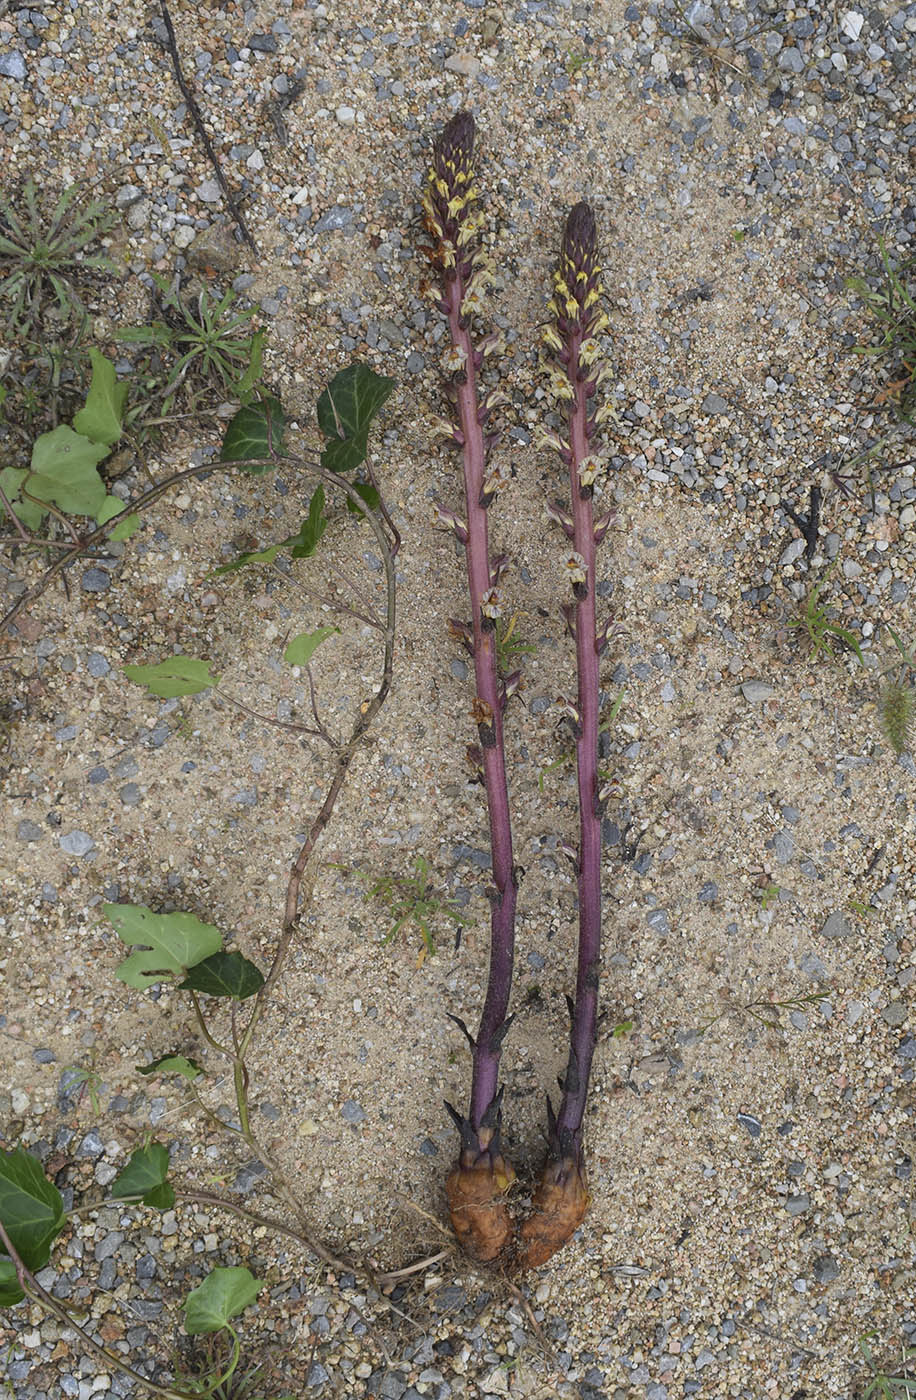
(130, 794)
(416, 362)
(44, 1057)
(209, 191)
(12, 65)
(95, 581)
(127, 767)
(352, 1112)
(458, 669)
(77, 843)
(317, 1375)
(429, 1148)
(792, 553)
(812, 966)
(97, 665)
(837, 926)
(98, 774)
(797, 1205)
(825, 1268)
(756, 691)
(472, 855)
(263, 43)
(714, 403)
(906, 1050)
(657, 920)
(29, 831)
(539, 705)
(895, 1014)
(336, 218)
(91, 1146)
(109, 1245)
(247, 1176)
(752, 1124)
(784, 847)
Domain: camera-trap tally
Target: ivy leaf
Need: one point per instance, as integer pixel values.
(369, 494)
(145, 1175)
(224, 975)
(305, 541)
(223, 1294)
(302, 545)
(63, 471)
(10, 1292)
(112, 506)
(351, 401)
(248, 437)
(32, 1212)
(302, 648)
(346, 409)
(173, 1064)
(179, 675)
(165, 944)
(102, 417)
(29, 512)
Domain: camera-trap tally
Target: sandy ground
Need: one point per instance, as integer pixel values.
(751, 1213)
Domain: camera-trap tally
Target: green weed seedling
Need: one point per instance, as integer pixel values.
(882, 1385)
(893, 307)
(412, 899)
(822, 634)
(208, 342)
(42, 260)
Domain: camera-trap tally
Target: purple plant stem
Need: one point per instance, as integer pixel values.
(461, 262)
(585, 1011)
(485, 1073)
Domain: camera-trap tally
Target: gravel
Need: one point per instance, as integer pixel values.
(739, 182)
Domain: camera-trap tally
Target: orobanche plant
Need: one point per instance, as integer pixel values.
(478, 1186)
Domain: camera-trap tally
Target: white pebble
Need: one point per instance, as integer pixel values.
(346, 115)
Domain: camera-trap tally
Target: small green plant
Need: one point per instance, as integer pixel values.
(893, 306)
(882, 1385)
(768, 895)
(89, 1081)
(763, 1009)
(897, 702)
(510, 647)
(412, 899)
(42, 260)
(821, 632)
(206, 342)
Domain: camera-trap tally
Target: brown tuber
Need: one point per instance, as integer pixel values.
(558, 1209)
(476, 1194)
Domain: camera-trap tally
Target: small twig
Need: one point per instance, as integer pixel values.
(197, 119)
(807, 525)
(20, 528)
(320, 733)
(57, 514)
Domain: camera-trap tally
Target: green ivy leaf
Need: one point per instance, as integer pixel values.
(179, 675)
(29, 512)
(223, 1294)
(224, 975)
(348, 405)
(305, 541)
(102, 417)
(302, 545)
(63, 471)
(31, 1209)
(302, 648)
(368, 493)
(165, 944)
(247, 437)
(173, 1064)
(10, 1292)
(346, 409)
(126, 527)
(145, 1175)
